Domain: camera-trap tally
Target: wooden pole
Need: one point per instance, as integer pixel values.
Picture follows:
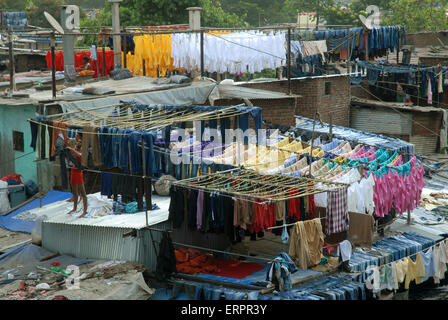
(37, 195)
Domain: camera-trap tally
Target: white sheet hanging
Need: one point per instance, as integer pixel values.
(250, 51)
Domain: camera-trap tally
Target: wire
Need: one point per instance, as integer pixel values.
(401, 113)
(14, 159)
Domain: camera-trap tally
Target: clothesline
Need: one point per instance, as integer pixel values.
(159, 120)
(279, 188)
(414, 254)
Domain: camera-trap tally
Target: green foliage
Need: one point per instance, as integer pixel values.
(14, 5)
(213, 15)
(35, 12)
(418, 15)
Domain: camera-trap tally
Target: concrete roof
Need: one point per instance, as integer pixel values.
(396, 105)
(137, 84)
(235, 91)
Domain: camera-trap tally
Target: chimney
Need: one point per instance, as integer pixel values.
(115, 4)
(194, 15)
(69, 22)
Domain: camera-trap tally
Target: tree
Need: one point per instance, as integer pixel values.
(35, 13)
(213, 15)
(14, 5)
(418, 15)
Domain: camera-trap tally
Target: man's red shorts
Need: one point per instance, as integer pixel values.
(76, 177)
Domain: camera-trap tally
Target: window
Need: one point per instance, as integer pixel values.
(327, 88)
(17, 141)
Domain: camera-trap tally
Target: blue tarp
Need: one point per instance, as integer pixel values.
(18, 225)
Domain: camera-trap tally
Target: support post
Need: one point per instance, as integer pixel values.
(331, 126)
(312, 141)
(348, 50)
(104, 54)
(53, 68)
(409, 216)
(202, 53)
(115, 4)
(289, 60)
(11, 64)
(143, 177)
(125, 44)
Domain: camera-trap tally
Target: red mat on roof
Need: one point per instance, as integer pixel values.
(193, 261)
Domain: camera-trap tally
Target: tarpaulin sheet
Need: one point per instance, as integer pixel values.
(194, 94)
(24, 259)
(11, 223)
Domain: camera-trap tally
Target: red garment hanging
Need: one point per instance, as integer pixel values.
(79, 62)
(294, 207)
(264, 216)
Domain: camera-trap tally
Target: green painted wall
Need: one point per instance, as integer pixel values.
(14, 118)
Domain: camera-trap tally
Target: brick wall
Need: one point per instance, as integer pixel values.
(313, 98)
(279, 111)
(433, 61)
(424, 39)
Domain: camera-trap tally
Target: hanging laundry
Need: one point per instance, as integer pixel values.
(59, 61)
(306, 241)
(361, 229)
(237, 52)
(337, 212)
(429, 91)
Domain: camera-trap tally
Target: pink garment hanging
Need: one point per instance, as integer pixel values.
(429, 91)
(372, 151)
(360, 151)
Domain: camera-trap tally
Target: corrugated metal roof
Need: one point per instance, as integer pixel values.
(103, 242)
(392, 105)
(57, 214)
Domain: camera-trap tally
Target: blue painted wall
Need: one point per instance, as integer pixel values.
(15, 118)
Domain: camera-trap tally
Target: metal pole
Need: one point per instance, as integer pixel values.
(144, 67)
(348, 50)
(366, 31)
(124, 51)
(202, 53)
(11, 64)
(53, 67)
(331, 126)
(143, 177)
(409, 216)
(289, 60)
(104, 54)
(312, 140)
